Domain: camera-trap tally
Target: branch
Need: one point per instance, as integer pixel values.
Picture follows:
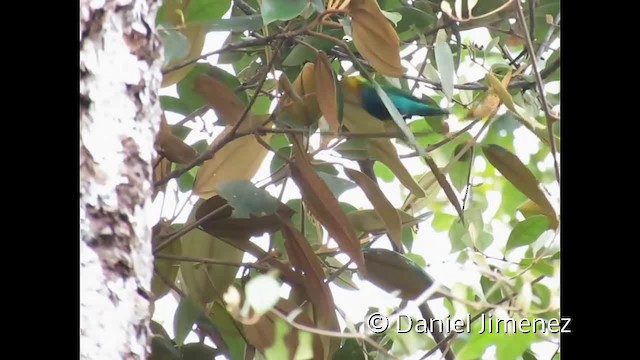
(539, 82)
(211, 261)
(476, 317)
(477, 85)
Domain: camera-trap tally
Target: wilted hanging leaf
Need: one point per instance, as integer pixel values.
(330, 102)
(381, 204)
(374, 37)
(500, 89)
(392, 271)
(324, 206)
(306, 262)
(444, 60)
(161, 170)
(518, 174)
(240, 159)
(223, 225)
(262, 334)
(487, 107)
(171, 146)
(223, 101)
(207, 282)
(291, 111)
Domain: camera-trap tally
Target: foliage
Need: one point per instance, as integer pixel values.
(286, 108)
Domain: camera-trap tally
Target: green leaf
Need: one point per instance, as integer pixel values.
(176, 45)
(246, 199)
(279, 141)
(336, 185)
(197, 351)
(394, 17)
(383, 172)
(444, 60)
(238, 23)
(491, 291)
(527, 231)
(543, 293)
(185, 181)
(305, 346)
(193, 100)
(279, 350)
(206, 10)
(173, 104)
(301, 54)
(510, 346)
(310, 230)
(413, 17)
(158, 329)
(478, 343)
(163, 349)
(417, 259)
(186, 315)
(459, 237)
(543, 267)
(281, 10)
(225, 325)
(459, 171)
(351, 350)
(442, 221)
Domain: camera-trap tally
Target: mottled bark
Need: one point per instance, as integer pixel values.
(120, 59)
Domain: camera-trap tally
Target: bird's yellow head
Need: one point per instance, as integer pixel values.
(353, 82)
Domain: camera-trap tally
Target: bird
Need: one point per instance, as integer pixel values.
(357, 89)
(407, 104)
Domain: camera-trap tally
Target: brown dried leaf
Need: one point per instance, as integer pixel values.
(510, 166)
(326, 85)
(306, 262)
(307, 113)
(226, 104)
(444, 184)
(324, 206)
(375, 38)
(381, 204)
(162, 169)
(240, 159)
(261, 334)
(171, 146)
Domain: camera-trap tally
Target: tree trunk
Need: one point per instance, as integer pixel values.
(120, 59)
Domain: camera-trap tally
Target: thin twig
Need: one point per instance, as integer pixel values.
(329, 333)
(539, 82)
(204, 260)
